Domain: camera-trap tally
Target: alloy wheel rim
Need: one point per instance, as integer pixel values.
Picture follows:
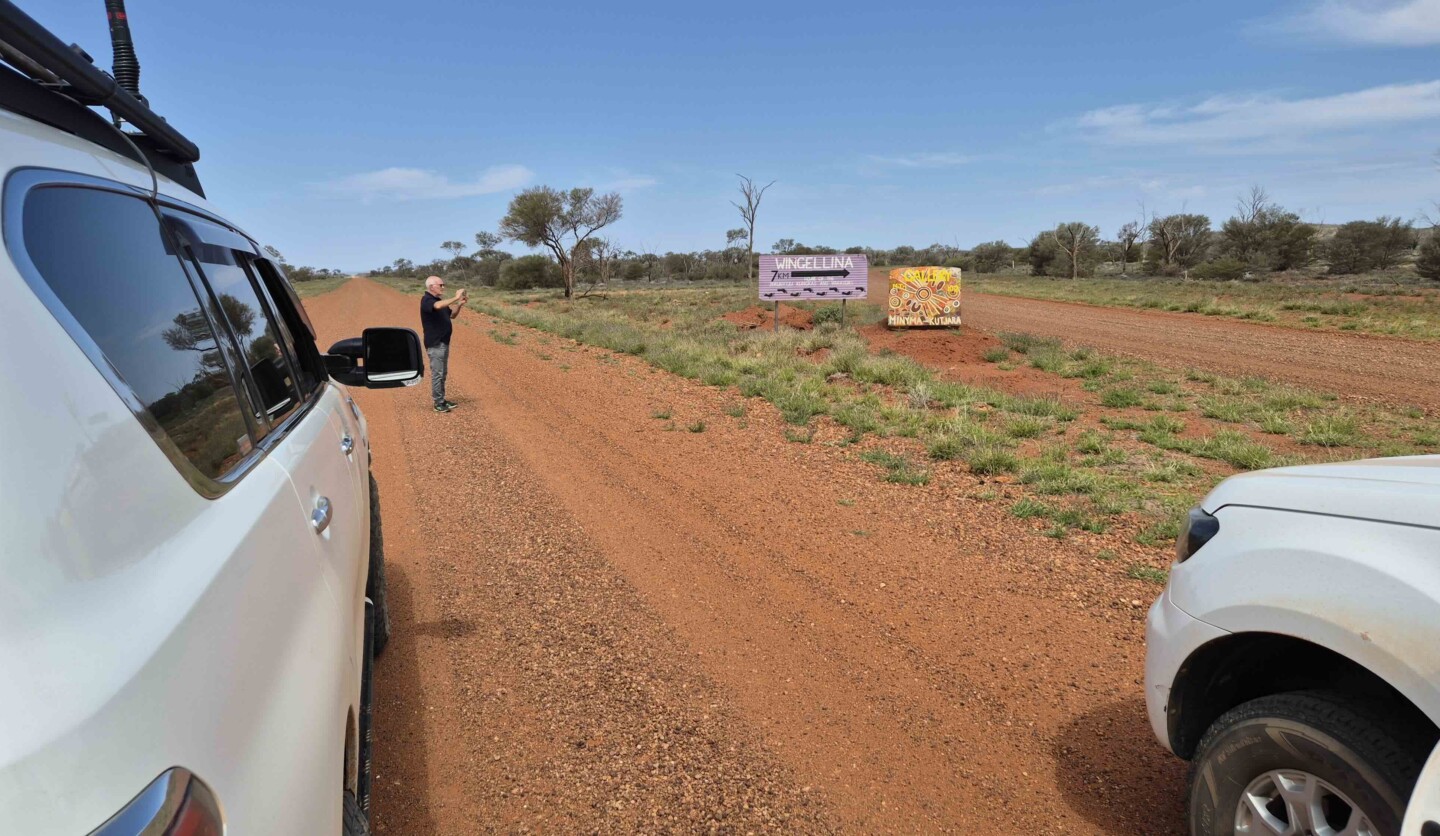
(1291, 802)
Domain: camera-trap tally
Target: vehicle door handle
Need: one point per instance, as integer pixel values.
(320, 517)
(347, 445)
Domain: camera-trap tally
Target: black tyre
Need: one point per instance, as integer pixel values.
(375, 584)
(1303, 762)
(356, 822)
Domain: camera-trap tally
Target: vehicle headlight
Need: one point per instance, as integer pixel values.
(1200, 528)
(177, 802)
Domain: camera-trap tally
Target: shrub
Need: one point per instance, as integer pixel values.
(529, 271)
(1369, 245)
(1428, 264)
(1224, 269)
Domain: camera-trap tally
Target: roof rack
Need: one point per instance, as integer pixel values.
(61, 72)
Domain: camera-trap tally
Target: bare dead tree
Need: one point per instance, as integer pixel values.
(1249, 208)
(1128, 236)
(751, 194)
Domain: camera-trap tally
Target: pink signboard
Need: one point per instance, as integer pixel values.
(801, 278)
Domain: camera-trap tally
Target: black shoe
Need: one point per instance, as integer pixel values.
(442, 407)
(451, 403)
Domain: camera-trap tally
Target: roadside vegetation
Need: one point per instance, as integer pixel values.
(1396, 303)
(318, 285)
(1129, 448)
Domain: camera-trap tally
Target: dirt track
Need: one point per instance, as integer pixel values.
(1363, 366)
(602, 625)
(1358, 365)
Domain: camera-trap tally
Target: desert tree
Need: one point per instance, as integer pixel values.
(749, 207)
(559, 221)
(486, 243)
(1129, 240)
(1427, 263)
(1077, 242)
(1179, 241)
(1359, 246)
(454, 248)
(1265, 236)
(990, 256)
(596, 259)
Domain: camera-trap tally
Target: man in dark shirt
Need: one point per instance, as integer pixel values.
(435, 316)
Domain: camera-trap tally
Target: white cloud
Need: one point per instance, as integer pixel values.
(421, 184)
(1150, 186)
(1245, 122)
(1367, 22)
(933, 159)
(625, 181)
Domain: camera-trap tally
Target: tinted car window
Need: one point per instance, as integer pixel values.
(254, 328)
(115, 271)
(305, 371)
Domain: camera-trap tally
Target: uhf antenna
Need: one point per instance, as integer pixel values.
(126, 69)
(126, 66)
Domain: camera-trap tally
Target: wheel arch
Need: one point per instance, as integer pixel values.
(1234, 669)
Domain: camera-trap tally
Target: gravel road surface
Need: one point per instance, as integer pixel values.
(607, 623)
(1360, 366)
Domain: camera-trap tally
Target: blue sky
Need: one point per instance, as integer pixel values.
(349, 135)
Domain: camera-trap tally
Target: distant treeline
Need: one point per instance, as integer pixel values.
(1261, 239)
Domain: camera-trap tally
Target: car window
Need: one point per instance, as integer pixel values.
(115, 272)
(253, 325)
(309, 373)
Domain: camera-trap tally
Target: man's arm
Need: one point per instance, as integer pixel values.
(458, 298)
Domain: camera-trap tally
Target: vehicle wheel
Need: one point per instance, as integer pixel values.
(356, 822)
(1304, 763)
(375, 584)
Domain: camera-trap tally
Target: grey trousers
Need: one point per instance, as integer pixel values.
(439, 364)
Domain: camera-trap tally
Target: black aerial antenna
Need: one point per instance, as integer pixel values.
(125, 66)
(126, 71)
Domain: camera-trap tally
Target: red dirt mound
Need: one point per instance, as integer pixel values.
(758, 316)
(960, 355)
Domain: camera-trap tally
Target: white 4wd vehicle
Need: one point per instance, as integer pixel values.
(191, 532)
(1294, 657)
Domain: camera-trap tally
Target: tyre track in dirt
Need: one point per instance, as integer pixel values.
(1359, 366)
(910, 660)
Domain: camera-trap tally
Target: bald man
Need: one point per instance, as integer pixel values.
(435, 316)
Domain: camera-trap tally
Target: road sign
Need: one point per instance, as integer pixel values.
(924, 296)
(813, 278)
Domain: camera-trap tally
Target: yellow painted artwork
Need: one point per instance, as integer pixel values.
(924, 296)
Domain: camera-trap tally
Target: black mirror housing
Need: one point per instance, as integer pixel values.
(382, 358)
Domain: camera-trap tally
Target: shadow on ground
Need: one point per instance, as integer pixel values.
(400, 756)
(1115, 774)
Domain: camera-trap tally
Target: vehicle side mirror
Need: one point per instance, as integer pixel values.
(380, 359)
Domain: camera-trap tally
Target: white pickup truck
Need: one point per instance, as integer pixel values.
(1294, 657)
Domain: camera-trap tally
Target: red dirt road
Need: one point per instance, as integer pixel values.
(1361, 366)
(605, 623)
